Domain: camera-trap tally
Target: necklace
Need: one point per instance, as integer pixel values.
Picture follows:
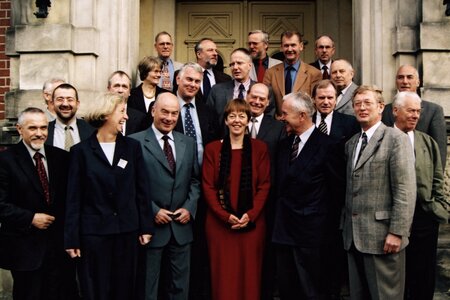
(149, 95)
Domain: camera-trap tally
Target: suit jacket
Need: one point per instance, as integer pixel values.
(381, 190)
(308, 190)
(105, 199)
(137, 121)
(23, 246)
(136, 99)
(343, 127)
(316, 64)
(431, 121)
(272, 62)
(345, 105)
(220, 95)
(168, 191)
(208, 119)
(307, 77)
(429, 176)
(84, 129)
(219, 76)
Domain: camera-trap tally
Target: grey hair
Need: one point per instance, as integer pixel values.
(51, 81)
(265, 35)
(301, 102)
(192, 65)
(400, 98)
(28, 110)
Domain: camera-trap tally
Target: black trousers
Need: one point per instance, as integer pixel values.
(421, 257)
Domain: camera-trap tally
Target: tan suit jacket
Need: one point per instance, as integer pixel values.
(307, 77)
(381, 191)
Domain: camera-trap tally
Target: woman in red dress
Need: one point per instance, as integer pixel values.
(236, 182)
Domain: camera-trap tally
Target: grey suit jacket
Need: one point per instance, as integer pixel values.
(345, 105)
(272, 62)
(168, 191)
(381, 191)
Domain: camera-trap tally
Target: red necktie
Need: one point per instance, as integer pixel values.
(42, 175)
(261, 71)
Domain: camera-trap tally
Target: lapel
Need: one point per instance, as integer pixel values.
(152, 145)
(97, 149)
(51, 133)
(180, 149)
(302, 75)
(372, 146)
(264, 129)
(347, 96)
(279, 77)
(26, 164)
(229, 91)
(308, 151)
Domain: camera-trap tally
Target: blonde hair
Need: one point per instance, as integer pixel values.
(103, 105)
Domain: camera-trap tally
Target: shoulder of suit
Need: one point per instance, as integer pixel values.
(55, 151)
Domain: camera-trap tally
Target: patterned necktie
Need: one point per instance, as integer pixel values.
(253, 132)
(241, 91)
(206, 85)
(323, 126)
(294, 149)
(325, 74)
(168, 153)
(261, 71)
(189, 128)
(42, 175)
(68, 139)
(363, 145)
(166, 84)
(288, 80)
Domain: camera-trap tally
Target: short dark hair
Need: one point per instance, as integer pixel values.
(290, 34)
(65, 86)
(323, 84)
(121, 74)
(239, 105)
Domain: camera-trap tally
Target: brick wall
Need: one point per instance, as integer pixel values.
(5, 22)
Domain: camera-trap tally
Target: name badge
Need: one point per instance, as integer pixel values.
(122, 163)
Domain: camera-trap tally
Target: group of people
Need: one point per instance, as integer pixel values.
(284, 178)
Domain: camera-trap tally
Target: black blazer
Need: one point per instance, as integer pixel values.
(104, 199)
(137, 121)
(22, 246)
(308, 190)
(219, 76)
(343, 126)
(84, 129)
(136, 99)
(208, 119)
(431, 121)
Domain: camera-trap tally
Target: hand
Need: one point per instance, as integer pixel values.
(42, 221)
(74, 252)
(392, 243)
(184, 217)
(163, 216)
(244, 220)
(144, 239)
(234, 221)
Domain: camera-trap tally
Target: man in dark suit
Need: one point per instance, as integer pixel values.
(258, 43)
(67, 130)
(174, 193)
(431, 203)
(337, 125)
(200, 122)
(379, 203)
(293, 75)
(431, 121)
(324, 50)
(119, 82)
(32, 193)
(309, 178)
(342, 76)
(220, 94)
(206, 54)
(271, 131)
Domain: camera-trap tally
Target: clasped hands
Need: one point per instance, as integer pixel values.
(165, 216)
(237, 223)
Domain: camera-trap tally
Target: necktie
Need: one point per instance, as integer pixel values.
(42, 175)
(68, 139)
(261, 71)
(288, 80)
(253, 132)
(294, 149)
(168, 153)
(323, 126)
(241, 91)
(363, 145)
(325, 74)
(166, 84)
(206, 85)
(189, 128)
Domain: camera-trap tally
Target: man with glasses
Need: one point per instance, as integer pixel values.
(258, 43)
(164, 48)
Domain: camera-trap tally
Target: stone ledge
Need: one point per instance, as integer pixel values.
(434, 36)
(404, 40)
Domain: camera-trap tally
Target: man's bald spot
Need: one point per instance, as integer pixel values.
(166, 99)
(259, 86)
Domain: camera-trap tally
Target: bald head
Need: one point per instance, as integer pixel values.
(165, 112)
(258, 99)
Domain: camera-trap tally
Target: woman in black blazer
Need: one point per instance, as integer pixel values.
(108, 210)
(143, 96)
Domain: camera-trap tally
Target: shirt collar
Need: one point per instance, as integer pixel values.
(60, 125)
(159, 134)
(32, 151)
(371, 130)
(305, 135)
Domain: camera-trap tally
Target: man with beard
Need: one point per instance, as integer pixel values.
(66, 130)
(258, 43)
(32, 191)
(206, 53)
